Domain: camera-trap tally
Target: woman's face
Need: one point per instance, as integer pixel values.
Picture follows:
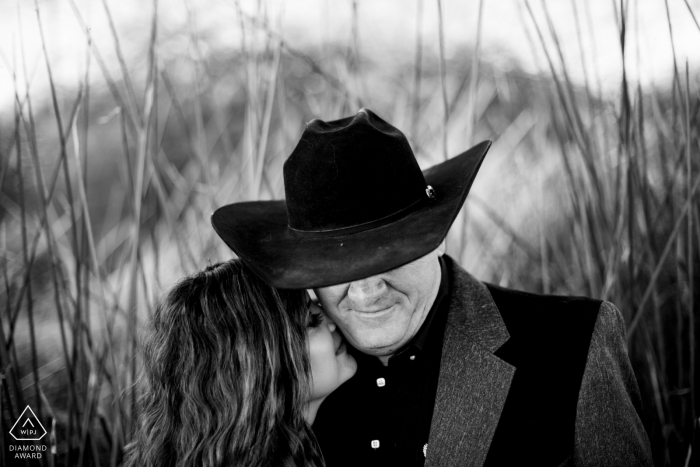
(331, 364)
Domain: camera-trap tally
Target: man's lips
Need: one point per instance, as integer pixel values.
(374, 312)
(376, 316)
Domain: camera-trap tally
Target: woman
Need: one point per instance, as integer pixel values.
(235, 372)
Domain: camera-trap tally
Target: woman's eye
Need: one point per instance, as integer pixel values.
(315, 320)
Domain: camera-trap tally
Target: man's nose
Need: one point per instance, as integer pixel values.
(366, 292)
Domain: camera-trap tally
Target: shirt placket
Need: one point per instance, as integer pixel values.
(380, 441)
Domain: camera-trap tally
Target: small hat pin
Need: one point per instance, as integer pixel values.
(430, 192)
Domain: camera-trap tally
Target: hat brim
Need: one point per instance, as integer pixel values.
(257, 232)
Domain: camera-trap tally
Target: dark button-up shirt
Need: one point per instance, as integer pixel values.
(381, 417)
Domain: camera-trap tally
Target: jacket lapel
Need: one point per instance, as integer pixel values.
(473, 383)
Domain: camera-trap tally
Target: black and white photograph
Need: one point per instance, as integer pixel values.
(349, 233)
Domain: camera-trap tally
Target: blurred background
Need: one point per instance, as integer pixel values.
(124, 124)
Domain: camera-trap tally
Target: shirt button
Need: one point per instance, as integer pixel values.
(381, 382)
(375, 443)
(412, 357)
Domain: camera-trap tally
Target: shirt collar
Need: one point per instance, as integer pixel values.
(417, 344)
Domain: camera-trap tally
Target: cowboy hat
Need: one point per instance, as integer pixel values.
(357, 204)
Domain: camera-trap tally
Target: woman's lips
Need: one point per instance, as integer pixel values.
(341, 348)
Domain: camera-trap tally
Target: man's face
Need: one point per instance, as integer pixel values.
(379, 314)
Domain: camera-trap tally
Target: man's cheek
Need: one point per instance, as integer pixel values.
(355, 334)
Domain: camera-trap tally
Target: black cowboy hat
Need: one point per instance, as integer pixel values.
(357, 204)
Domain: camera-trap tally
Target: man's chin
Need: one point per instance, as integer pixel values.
(380, 348)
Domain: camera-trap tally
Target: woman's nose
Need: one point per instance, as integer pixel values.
(331, 324)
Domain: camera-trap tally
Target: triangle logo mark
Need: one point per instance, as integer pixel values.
(28, 427)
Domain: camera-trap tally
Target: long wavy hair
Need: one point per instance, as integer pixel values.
(226, 375)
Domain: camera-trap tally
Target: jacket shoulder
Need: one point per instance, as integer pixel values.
(546, 316)
(511, 298)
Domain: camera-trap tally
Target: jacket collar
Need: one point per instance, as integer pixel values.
(473, 311)
(473, 383)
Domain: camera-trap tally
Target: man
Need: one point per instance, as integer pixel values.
(452, 371)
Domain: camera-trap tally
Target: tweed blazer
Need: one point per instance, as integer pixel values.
(530, 379)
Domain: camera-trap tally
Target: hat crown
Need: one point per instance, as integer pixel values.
(350, 172)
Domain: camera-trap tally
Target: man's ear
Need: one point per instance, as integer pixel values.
(441, 248)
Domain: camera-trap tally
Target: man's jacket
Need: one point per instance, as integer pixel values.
(530, 379)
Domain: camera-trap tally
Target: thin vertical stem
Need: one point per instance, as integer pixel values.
(676, 74)
(11, 375)
(689, 260)
(122, 62)
(544, 250)
(266, 121)
(84, 320)
(356, 70)
(690, 10)
(474, 78)
(443, 86)
(417, 69)
(471, 129)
